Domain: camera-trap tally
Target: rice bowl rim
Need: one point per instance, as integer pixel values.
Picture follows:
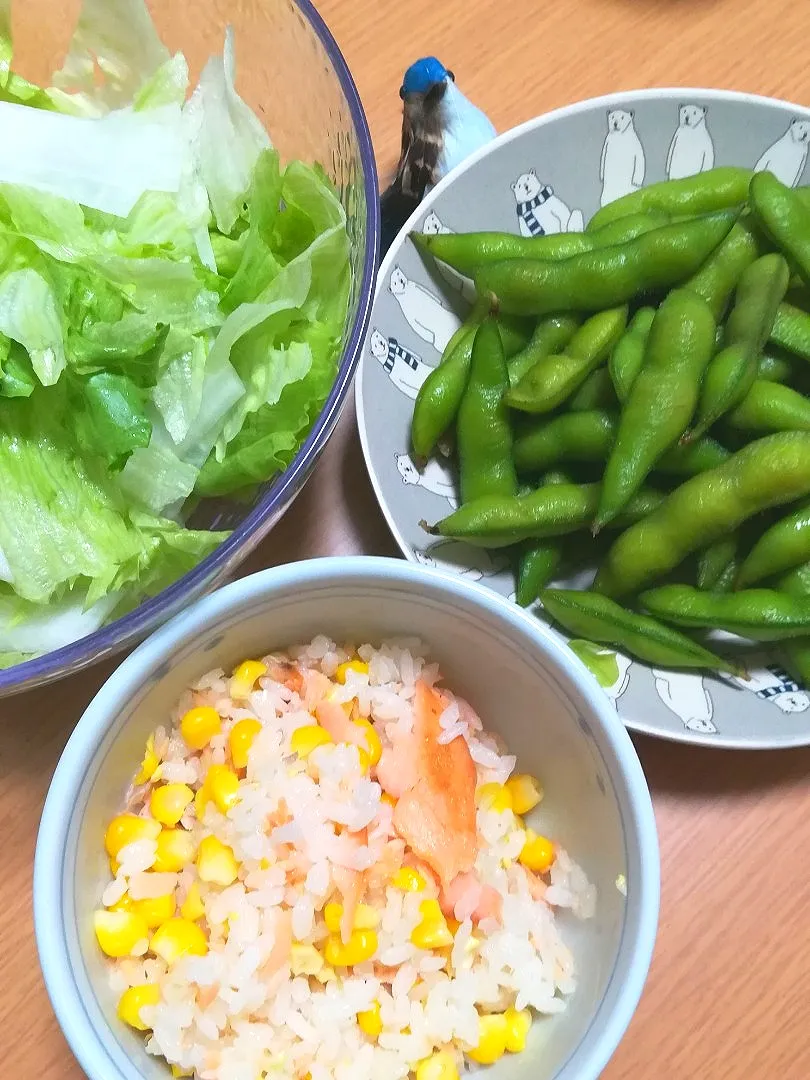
(69, 990)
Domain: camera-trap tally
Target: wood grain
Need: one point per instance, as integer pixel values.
(728, 996)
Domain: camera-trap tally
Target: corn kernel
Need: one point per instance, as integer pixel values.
(133, 1000)
(360, 947)
(538, 853)
(526, 793)
(518, 1024)
(176, 938)
(169, 801)
(350, 665)
(495, 797)
(492, 1033)
(432, 932)
(192, 907)
(216, 862)
(365, 917)
(201, 800)
(119, 932)
(369, 1020)
(126, 829)
(150, 763)
(386, 798)
(365, 760)
(124, 904)
(156, 910)
(177, 1071)
(373, 744)
(305, 959)
(175, 850)
(240, 740)
(306, 739)
(409, 880)
(199, 726)
(223, 786)
(439, 1066)
(244, 678)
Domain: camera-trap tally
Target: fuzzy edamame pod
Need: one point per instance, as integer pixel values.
(597, 618)
(768, 472)
(554, 510)
(551, 335)
(627, 358)
(572, 436)
(784, 545)
(714, 189)
(555, 378)
(483, 431)
(771, 407)
(759, 614)
(538, 560)
(732, 371)
(662, 398)
(791, 330)
(694, 458)
(717, 278)
(609, 277)
(784, 217)
(796, 650)
(466, 252)
(714, 563)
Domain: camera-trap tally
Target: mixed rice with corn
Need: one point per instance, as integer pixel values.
(322, 872)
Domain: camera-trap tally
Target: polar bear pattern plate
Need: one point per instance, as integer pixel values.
(549, 176)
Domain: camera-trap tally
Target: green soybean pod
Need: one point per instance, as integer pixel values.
(627, 358)
(774, 367)
(732, 371)
(717, 278)
(758, 614)
(692, 458)
(785, 545)
(608, 277)
(539, 560)
(714, 562)
(662, 398)
(551, 335)
(769, 472)
(791, 330)
(770, 407)
(574, 436)
(595, 393)
(597, 618)
(555, 378)
(796, 651)
(483, 431)
(715, 189)
(785, 218)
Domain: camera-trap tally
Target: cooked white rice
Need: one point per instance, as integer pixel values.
(300, 828)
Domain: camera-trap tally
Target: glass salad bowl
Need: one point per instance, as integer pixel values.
(291, 80)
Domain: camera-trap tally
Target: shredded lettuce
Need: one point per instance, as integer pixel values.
(172, 303)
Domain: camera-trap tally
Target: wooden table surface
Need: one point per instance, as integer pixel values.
(727, 997)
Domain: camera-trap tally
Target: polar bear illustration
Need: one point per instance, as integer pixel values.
(432, 226)
(405, 369)
(423, 312)
(623, 165)
(686, 696)
(539, 210)
(462, 559)
(435, 477)
(787, 157)
(691, 150)
(772, 684)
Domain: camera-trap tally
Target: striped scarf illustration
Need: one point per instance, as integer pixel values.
(525, 211)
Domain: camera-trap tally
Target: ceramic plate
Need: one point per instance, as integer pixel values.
(551, 175)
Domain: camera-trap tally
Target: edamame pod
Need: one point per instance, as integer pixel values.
(483, 431)
(717, 278)
(714, 562)
(784, 217)
(597, 618)
(797, 650)
(576, 436)
(714, 189)
(758, 614)
(498, 521)
(627, 358)
(595, 393)
(662, 398)
(731, 373)
(466, 252)
(770, 407)
(769, 472)
(602, 279)
(791, 330)
(551, 335)
(555, 378)
(773, 367)
(784, 545)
